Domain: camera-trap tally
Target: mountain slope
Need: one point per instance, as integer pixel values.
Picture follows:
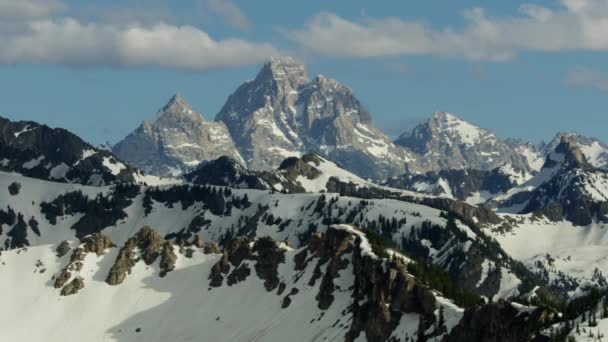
(309, 173)
(281, 113)
(39, 151)
(176, 141)
(258, 289)
(472, 186)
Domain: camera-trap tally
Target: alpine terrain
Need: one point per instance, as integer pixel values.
(291, 217)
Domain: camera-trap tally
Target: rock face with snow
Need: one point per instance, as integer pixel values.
(472, 186)
(595, 151)
(281, 113)
(568, 187)
(309, 173)
(176, 141)
(55, 154)
(446, 142)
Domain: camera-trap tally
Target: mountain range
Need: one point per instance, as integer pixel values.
(282, 113)
(290, 216)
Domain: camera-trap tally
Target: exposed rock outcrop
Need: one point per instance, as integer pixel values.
(73, 287)
(63, 248)
(264, 253)
(96, 243)
(147, 245)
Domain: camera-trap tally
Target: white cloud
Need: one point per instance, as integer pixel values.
(230, 13)
(70, 42)
(20, 9)
(41, 38)
(585, 77)
(568, 26)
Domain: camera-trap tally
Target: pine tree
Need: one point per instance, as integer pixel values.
(420, 337)
(441, 317)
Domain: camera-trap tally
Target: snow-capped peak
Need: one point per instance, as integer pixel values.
(454, 127)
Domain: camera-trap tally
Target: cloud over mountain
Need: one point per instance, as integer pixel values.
(40, 37)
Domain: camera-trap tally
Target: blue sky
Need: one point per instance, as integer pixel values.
(523, 69)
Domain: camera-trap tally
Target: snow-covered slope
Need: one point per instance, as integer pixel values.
(45, 213)
(258, 290)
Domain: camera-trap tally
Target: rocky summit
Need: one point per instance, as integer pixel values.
(176, 141)
(446, 142)
(282, 113)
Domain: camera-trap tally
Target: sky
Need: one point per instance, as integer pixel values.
(524, 69)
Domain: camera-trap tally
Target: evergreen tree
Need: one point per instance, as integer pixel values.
(420, 337)
(441, 317)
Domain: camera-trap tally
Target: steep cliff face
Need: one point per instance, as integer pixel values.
(176, 141)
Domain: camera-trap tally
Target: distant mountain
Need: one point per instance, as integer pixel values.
(55, 154)
(176, 141)
(567, 187)
(446, 142)
(281, 113)
(595, 151)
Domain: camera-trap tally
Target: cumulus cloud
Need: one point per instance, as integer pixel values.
(230, 13)
(43, 39)
(567, 26)
(585, 77)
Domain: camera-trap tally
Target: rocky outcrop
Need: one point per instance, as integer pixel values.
(198, 241)
(211, 248)
(62, 279)
(147, 245)
(63, 248)
(96, 243)
(381, 294)
(167, 258)
(264, 254)
(594, 150)
(73, 287)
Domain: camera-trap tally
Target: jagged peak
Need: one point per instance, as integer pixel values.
(283, 69)
(177, 106)
(445, 116)
(569, 154)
